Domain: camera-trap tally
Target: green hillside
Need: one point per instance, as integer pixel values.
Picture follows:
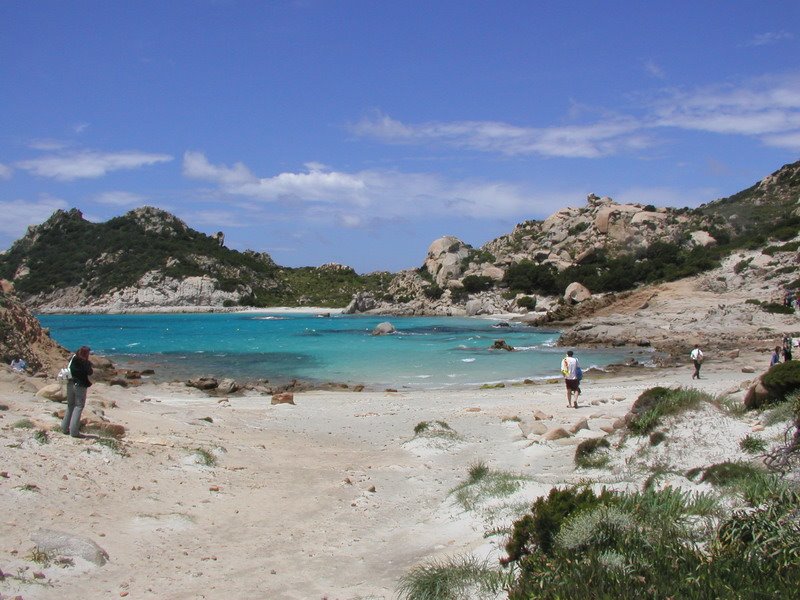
(68, 251)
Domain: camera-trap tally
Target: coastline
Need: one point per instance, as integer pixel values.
(156, 310)
(337, 485)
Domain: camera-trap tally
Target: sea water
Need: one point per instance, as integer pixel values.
(425, 352)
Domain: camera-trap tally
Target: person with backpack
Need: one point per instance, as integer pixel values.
(569, 369)
(77, 385)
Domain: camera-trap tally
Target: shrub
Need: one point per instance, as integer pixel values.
(484, 483)
(728, 473)
(782, 379)
(742, 265)
(588, 453)
(477, 283)
(658, 402)
(776, 308)
(204, 457)
(424, 426)
(461, 577)
(528, 302)
(579, 228)
(41, 436)
(652, 545)
(753, 444)
(537, 531)
(528, 277)
(433, 291)
(23, 424)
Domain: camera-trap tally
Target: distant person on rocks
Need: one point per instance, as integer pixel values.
(776, 356)
(697, 358)
(569, 368)
(80, 368)
(18, 365)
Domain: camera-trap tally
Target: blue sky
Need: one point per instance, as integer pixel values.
(359, 131)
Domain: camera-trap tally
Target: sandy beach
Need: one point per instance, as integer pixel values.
(333, 497)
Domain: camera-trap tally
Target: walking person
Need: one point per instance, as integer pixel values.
(569, 368)
(697, 358)
(80, 368)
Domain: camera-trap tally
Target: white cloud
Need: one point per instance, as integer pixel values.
(757, 108)
(5, 171)
(317, 183)
(769, 38)
(570, 141)
(790, 140)
(360, 198)
(767, 109)
(48, 145)
(88, 164)
(119, 198)
(19, 214)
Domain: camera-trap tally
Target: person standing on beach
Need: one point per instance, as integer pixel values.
(776, 357)
(569, 368)
(697, 358)
(80, 368)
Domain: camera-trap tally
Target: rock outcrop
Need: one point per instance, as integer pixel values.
(22, 336)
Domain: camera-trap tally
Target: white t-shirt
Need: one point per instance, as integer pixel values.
(570, 365)
(697, 354)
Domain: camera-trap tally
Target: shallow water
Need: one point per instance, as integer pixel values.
(426, 352)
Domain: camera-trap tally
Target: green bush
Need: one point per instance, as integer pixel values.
(528, 277)
(753, 444)
(782, 379)
(728, 473)
(528, 302)
(477, 283)
(776, 308)
(433, 291)
(536, 532)
(655, 403)
(663, 544)
(588, 453)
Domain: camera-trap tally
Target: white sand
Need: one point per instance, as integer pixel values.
(287, 511)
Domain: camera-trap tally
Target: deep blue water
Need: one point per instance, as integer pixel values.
(426, 352)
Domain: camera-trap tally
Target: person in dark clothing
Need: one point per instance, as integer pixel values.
(80, 368)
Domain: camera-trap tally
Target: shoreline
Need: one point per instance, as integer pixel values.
(88, 310)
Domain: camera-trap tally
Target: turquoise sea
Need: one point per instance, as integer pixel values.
(426, 352)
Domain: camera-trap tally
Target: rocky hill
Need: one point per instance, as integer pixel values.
(149, 259)
(21, 336)
(598, 248)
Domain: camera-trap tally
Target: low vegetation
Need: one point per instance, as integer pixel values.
(656, 403)
(654, 544)
(434, 429)
(782, 379)
(204, 457)
(484, 483)
(753, 444)
(452, 579)
(590, 453)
